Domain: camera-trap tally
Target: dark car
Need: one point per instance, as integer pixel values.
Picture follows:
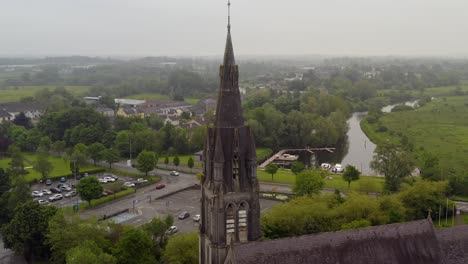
(183, 215)
(48, 182)
(55, 190)
(160, 186)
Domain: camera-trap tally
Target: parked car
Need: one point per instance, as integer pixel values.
(325, 166)
(48, 182)
(172, 230)
(55, 197)
(183, 215)
(40, 201)
(115, 177)
(174, 173)
(65, 188)
(102, 180)
(70, 194)
(196, 218)
(128, 185)
(46, 192)
(55, 190)
(108, 192)
(337, 168)
(37, 194)
(63, 179)
(61, 184)
(141, 180)
(109, 179)
(160, 186)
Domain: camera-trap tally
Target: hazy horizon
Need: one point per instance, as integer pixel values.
(124, 28)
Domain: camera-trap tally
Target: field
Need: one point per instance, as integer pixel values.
(364, 184)
(158, 96)
(14, 94)
(434, 91)
(440, 127)
(60, 167)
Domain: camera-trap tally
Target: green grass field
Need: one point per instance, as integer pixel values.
(440, 127)
(433, 91)
(14, 94)
(364, 184)
(60, 167)
(158, 96)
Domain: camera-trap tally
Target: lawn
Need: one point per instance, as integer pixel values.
(364, 184)
(60, 167)
(160, 97)
(14, 94)
(263, 153)
(440, 127)
(433, 91)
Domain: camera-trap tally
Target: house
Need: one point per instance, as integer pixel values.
(130, 112)
(173, 120)
(5, 116)
(105, 111)
(129, 102)
(31, 110)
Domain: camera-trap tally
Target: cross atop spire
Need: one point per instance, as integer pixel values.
(229, 14)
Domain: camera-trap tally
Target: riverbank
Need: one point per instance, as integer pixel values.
(440, 128)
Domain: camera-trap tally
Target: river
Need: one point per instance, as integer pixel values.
(357, 149)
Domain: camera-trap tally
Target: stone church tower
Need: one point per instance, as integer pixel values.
(230, 209)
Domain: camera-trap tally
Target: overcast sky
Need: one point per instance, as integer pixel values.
(259, 27)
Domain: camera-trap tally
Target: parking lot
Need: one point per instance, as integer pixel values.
(188, 200)
(66, 201)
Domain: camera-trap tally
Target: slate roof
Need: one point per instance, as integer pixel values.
(411, 242)
(17, 107)
(454, 244)
(4, 114)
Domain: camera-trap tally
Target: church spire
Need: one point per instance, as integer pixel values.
(229, 110)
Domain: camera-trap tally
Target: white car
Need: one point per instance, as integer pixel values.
(325, 166)
(337, 168)
(196, 218)
(46, 192)
(172, 230)
(37, 194)
(70, 194)
(42, 201)
(102, 180)
(55, 197)
(129, 184)
(141, 180)
(109, 179)
(174, 173)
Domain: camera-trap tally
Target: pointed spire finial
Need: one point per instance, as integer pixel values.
(229, 14)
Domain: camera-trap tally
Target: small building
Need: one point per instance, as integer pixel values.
(285, 160)
(30, 110)
(5, 116)
(130, 112)
(129, 102)
(105, 111)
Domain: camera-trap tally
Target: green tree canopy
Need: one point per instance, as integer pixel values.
(271, 169)
(111, 156)
(351, 174)
(309, 182)
(88, 252)
(26, 232)
(182, 249)
(43, 165)
(134, 247)
(176, 160)
(146, 161)
(96, 152)
(393, 163)
(157, 228)
(89, 188)
(190, 163)
(297, 167)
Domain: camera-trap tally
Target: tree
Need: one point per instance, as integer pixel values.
(393, 163)
(176, 160)
(22, 120)
(308, 183)
(26, 232)
(96, 152)
(88, 252)
(430, 169)
(58, 146)
(17, 161)
(351, 174)
(45, 144)
(111, 155)
(297, 167)
(166, 161)
(182, 249)
(89, 188)
(146, 161)
(132, 241)
(271, 169)
(157, 228)
(190, 163)
(43, 165)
